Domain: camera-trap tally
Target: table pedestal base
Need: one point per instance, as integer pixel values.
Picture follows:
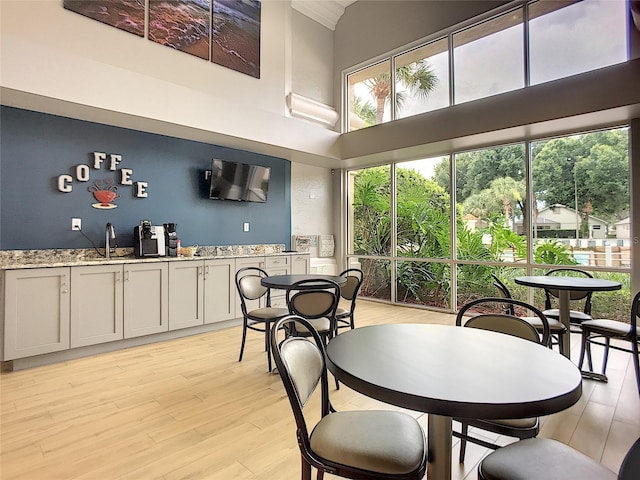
(439, 442)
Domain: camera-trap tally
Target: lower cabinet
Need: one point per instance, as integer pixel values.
(186, 294)
(146, 298)
(36, 311)
(220, 290)
(201, 292)
(96, 304)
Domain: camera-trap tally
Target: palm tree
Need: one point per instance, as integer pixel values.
(417, 77)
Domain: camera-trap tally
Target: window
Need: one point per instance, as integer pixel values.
(564, 37)
(401, 231)
(489, 58)
(422, 79)
(569, 37)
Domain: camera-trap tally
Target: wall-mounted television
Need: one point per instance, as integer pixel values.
(238, 181)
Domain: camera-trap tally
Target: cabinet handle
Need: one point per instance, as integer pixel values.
(117, 277)
(206, 272)
(126, 275)
(199, 270)
(63, 284)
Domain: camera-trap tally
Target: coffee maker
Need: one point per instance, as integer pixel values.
(171, 239)
(148, 240)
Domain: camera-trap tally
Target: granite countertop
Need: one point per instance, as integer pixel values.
(19, 259)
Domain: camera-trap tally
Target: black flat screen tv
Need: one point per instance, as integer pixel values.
(239, 181)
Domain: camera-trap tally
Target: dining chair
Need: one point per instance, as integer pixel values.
(520, 428)
(546, 459)
(258, 319)
(601, 331)
(316, 301)
(368, 445)
(556, 328)
(576, 317)
(349, 292)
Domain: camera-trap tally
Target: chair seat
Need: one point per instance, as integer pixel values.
(509, 427)
(574, 315)
(541, 459)
(610, 328)
(267, 313)
(342, 312)
(555, 325)
(322, 325)
(387, 442)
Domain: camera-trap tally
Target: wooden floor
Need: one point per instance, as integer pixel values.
(187, 409)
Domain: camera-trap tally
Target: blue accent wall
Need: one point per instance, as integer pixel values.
(36, 148)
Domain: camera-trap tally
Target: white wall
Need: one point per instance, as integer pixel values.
(60, 62)
(312, 200)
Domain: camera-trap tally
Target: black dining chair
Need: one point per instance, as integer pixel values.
(500, 322)
(556, 328)
(546, 459)
(349, 292)
(258, 319)
(366, 445)
(576, 317)
(316, 301)
(601, 331)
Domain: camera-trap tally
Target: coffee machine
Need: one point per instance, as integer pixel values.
(148, 240)
(171, 239)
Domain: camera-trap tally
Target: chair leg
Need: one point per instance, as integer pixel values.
(605, 357)
(464, 430)
(560, 345)
(583, 347)
(320, 474)
(244, 337)
(267, 341)
(306, 469)
(636, 362)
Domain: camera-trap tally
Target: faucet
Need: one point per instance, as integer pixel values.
(109, 233)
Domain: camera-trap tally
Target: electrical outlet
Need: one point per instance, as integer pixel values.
(245, 227)
(76, 224)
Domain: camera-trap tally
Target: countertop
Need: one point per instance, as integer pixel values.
(22, 259)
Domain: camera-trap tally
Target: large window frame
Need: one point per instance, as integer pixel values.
(454, 263)
(491, 22)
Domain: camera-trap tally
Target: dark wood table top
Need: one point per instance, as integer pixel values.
(454, 371)
(559, 282)
(285, 282)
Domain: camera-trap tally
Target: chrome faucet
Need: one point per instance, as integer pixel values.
(109, 233)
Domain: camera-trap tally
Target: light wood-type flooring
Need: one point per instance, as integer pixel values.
(187, 409)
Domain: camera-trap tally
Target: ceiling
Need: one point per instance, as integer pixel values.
(325, 12)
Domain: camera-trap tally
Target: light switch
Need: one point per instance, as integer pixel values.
(245, 226)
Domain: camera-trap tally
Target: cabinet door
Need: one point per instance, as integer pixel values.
(36, 311)
(96, 304)
(146, 300)
(279, 265)
(219, 290)
(243, 262)
(186, 298)
(300, 264)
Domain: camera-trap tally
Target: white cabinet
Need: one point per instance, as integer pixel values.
(96, 304)
(186, 294)
(36, 311)
(300, 264)
(278, 266)
(219, 290)
(146, 299)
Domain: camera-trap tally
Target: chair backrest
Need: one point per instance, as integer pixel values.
(312, 299)
(302, 366)
(635, 314)
(504, 323)
(573, 294)
(504, 291)
(630, 468)
(354, 276)
(249, 287)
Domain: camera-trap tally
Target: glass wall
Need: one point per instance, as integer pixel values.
(574, 212)
(536, 42)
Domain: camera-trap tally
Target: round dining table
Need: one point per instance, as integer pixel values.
(285, 282)
(564, 285)
(447, 371)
